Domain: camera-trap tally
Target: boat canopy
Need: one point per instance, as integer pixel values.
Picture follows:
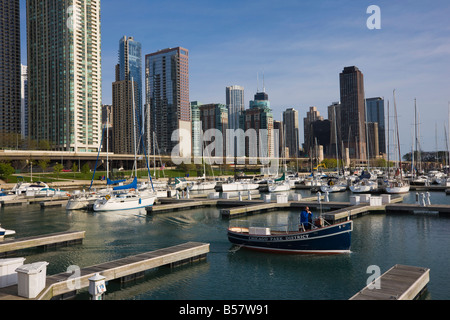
(110, 182)
(127, 186)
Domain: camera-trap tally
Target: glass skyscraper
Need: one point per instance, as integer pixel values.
(130, 68)
(64, 73)
(375, 113)
(167, 94)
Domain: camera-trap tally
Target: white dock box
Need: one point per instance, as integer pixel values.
(282, 198)
(31, 278)
(8, 274)
(267, 198)
(375, 201)
(354, 200)
(386, 198)
(364, 198)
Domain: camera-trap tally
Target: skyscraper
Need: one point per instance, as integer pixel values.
(311, 116)
(10, 71)
(290, 122)
(353, 131)
(235, 104)
(24, 103)
(64, 73)
(167, 94)
(130, 68)
(260, 118)
(128, 78)
(375, 113)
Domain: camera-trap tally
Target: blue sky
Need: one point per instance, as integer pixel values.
(300, 47)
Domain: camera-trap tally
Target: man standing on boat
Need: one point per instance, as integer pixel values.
(305, 219)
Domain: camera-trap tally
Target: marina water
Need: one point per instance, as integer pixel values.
(380, 240)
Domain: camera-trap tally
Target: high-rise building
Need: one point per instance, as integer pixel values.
(375, 113)
(259, 117)
(24, 103)
(128, 132)
(334, 111)
(290, 122)
(197, 139)
(64, 73)
(215, 116)
(235, 104)
(353, 130)
(311, 116)
(167, 94)
(130, 68)
(10, 72)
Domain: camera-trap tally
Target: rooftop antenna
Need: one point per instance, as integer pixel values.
(257, 82)
(264, 86)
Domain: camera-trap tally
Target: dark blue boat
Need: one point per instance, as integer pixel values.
(330, 239)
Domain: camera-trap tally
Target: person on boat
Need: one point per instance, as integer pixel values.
(305, 219)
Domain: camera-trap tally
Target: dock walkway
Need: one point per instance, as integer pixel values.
(10, 246)
(64, 285)
(398, 283)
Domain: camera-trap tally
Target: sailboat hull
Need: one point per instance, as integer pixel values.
(124, 202)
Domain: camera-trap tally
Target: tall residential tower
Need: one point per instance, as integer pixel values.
(167, 94)
(10, 72)
(64, 73)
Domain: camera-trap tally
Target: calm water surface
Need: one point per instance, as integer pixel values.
(239, 274)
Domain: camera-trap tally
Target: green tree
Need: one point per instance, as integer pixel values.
(58, 167)
(85, 169)
(6, 170)
(74, 169)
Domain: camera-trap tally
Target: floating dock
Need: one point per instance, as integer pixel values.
(10, 246)
(24, 201)
(398, 283)
(64, 285)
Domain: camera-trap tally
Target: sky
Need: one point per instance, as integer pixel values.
(298, 47)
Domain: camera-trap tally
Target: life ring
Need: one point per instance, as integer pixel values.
(331, 183)
(107, 197)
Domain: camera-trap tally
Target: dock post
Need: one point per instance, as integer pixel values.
(240, 196)
(318, 196)
(327, 199)
(249, 197)
(422, 199)
(417, 198)
(427, 196)
(97, 286)
(187, 193)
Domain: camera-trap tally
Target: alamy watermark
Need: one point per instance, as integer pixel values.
(256, 146)
(374, 21)
(373, 282)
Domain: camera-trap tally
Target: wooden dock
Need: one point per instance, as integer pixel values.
(10, 246)
(24, 201)
(64, 285)
(398, 283)
(418, 209)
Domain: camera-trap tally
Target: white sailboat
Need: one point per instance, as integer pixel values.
(129, 196)
(397, 184)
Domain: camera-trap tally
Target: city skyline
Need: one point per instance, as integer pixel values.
(300, 48)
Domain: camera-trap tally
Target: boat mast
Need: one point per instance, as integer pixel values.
(398, 138)
(134, 126)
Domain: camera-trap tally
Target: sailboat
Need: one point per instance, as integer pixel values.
(397, 184)
(280, 184)
(132, 195)
(364, 182)
(335, 184)
(202, 184)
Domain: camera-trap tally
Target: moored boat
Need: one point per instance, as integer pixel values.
(329, 239)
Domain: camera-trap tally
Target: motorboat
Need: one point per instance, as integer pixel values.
(320, 239)
(239, 186)
(334, 185)
(397, 186)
